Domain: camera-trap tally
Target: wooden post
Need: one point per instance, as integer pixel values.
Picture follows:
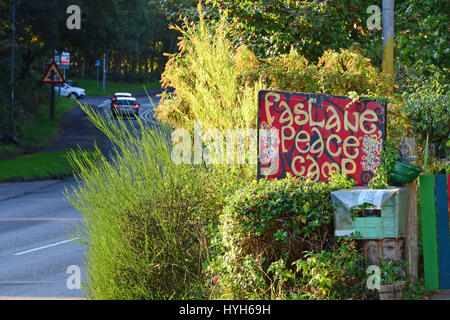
(408, 151)
(52, 101)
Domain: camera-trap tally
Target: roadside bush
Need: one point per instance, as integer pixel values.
(336, 72)
(25, 91)
(146, 219)
(268, 221)
(206, 82)
(217, 84)
(336, 274)
(291, 72)
(427, 112)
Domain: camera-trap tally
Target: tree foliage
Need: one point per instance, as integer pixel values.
(134, 34)
(422, 36)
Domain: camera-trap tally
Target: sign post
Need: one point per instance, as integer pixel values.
(57, 58)
(65, 62)
(104, 71)
(97, 64)
(53, 76)
(13, 41)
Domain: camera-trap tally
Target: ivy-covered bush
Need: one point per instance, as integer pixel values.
(270, 221)
(336, 274)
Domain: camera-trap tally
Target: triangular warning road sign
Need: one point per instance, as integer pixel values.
(53, 75)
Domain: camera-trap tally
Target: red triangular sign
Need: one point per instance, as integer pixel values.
(53, 75)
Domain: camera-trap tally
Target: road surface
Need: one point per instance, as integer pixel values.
(40, 255)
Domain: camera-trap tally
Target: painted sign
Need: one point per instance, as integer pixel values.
(313, 134)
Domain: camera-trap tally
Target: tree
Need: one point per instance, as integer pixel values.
(422, 36)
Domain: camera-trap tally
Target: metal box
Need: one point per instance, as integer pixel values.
(371, 213)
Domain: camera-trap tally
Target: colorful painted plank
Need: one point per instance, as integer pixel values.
(429, 237)
(442, 215)
(448, 197)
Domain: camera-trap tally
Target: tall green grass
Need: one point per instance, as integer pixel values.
(207, 74)
(146, 218)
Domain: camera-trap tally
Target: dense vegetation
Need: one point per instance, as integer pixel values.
(129, 32)
(155, 229)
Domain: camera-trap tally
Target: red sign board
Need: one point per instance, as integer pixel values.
(53, 75)
(311, 135)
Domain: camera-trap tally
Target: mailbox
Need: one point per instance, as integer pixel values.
(371, 213)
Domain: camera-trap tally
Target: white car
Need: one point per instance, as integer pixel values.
(69, 91)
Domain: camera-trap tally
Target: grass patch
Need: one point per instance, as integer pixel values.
(111, 87)
(53, 164)
(39, 131)
(7, 149)
(42, 129)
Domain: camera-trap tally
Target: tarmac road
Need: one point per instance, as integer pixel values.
(40, 255)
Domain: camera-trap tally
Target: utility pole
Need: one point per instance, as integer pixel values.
(97, 77)
(388, 40)
(13, 44)
(104, 71)
(408, 146)
(52, 93)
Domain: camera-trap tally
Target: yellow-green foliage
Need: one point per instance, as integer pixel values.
(291, 72)
(335, 73)
(208, 87)
(217, 84)
(348, 70)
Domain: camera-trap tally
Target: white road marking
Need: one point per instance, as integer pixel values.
(105, 102)
(146, 115)
(45, 247)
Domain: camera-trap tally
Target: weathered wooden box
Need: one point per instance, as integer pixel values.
(371, 213)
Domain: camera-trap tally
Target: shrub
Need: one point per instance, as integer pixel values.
(218, 84)
(291, 72)
(382, 178)
(427, 113)
(349, 70)
(207, 83)
(146, 218)
(268, 221)
(337, 274)
(335, 73)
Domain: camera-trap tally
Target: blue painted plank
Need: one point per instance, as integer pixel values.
(443, 230)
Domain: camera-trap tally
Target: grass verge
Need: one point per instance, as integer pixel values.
(39, 131)
(111, 87)
(54, 164)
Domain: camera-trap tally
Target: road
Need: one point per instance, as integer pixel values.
(40, 255)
